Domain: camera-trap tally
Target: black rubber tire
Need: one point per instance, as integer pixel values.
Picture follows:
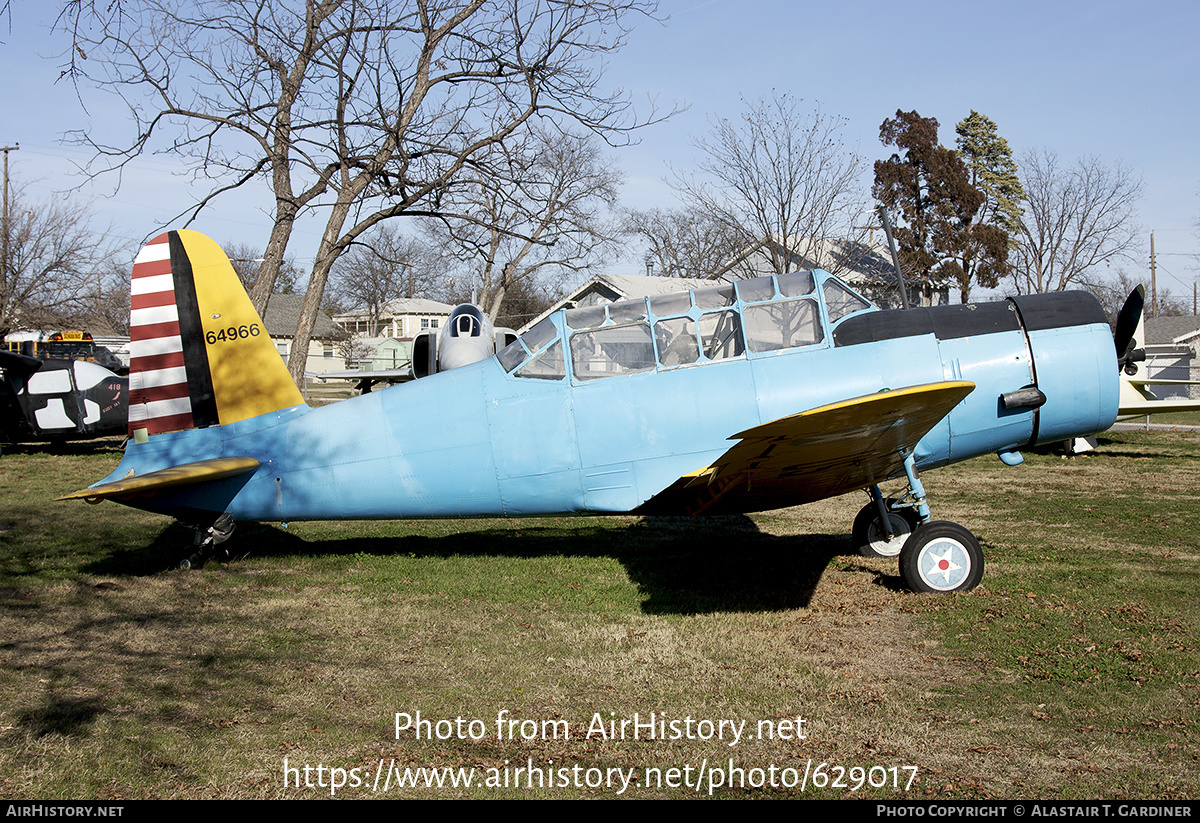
(941, 557)
(867, 532)
(192, 562)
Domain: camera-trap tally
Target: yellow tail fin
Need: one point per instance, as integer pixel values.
(199, 353)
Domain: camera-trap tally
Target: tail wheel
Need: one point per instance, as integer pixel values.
(194, 561)
(870, 539)
(941, 557)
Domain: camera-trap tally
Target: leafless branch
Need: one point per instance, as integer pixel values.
(364, 110)
(778, 173)
(1076, 220)
(58, 268)
(537, 206)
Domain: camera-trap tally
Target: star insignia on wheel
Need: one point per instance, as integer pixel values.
(943, 565)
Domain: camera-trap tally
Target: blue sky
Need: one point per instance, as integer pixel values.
(1117, 80)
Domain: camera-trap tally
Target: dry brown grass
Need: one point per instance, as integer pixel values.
(137, 684)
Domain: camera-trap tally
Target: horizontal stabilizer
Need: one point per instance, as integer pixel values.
(188, 474)
(815, 454)
(1154, 381)
(1140, 408)
(403, 375)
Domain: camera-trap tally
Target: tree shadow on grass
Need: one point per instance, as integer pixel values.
(63, 716)
(681, 565)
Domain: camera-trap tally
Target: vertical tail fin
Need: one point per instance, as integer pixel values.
(199, 353)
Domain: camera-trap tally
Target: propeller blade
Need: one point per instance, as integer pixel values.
(1127, 322)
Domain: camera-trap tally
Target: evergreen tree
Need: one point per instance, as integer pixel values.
(995, 227)
(993, 171)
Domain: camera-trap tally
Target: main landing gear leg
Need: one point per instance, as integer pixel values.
(939, 556)
(206, 541)
(935, 556)
(882, 526)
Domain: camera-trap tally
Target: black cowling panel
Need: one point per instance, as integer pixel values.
(944, 322)
(1058, 309)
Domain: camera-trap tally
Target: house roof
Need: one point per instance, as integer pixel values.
(1167, 330)
(851, 260)
(628, 286)
(283, 315)
(609, 288)
(402, 306)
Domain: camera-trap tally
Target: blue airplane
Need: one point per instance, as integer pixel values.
(736, 398)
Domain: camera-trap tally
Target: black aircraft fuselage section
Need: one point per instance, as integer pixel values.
(60, 399)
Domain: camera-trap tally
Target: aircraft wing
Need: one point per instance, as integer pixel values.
(1136, 400)
(382, 375)
(813, 455)
(185, 475)
(1141, 408)
(1154, 381)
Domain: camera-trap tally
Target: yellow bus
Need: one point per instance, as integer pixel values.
(69, 344)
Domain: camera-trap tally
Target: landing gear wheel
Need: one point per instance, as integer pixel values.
(870, 539)
(194, 561)
(941, 557)
(204, 543)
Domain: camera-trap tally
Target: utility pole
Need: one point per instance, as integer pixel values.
(1153, 279)
(4, 230)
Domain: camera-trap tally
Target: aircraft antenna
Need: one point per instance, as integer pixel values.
(887, 229)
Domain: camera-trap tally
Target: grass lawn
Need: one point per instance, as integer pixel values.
(1073, 671)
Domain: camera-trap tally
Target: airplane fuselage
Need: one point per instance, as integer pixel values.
(59, 399)
(599, 409)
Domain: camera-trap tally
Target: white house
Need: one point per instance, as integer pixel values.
(863, 267)
(401, 318)
(1172, 353)
(609, 288)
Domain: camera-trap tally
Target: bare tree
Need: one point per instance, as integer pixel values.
(685, 242)
(1076, 221)
(362, 109)
(541, 209)
(1112, 292)
(58, 269)
(247, 260)
(355, 350)
(383, 266)
(108, 311)
(778, 173)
